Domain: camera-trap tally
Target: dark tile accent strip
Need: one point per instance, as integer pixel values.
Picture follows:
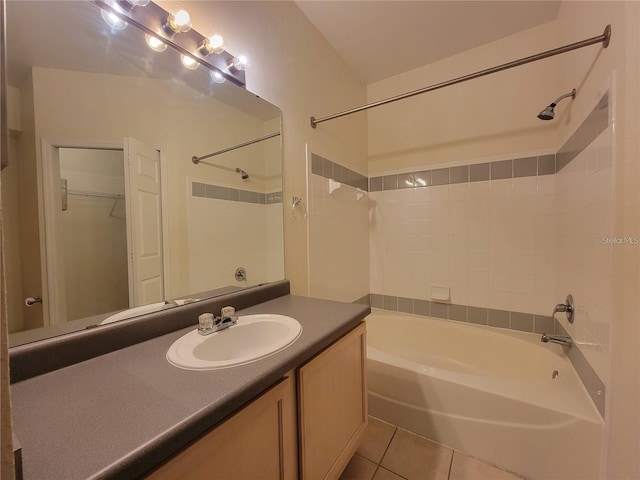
(595, 123)
(524, 322)
(525, 167)
(478, 172)
(546, 165)
(459, 174)
(375, 184)
(364, 300)
(590, 379)
(328, 169)
(440, 176)
(235, 195)
(502, 169)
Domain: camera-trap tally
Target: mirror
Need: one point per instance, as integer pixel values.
(103, 208)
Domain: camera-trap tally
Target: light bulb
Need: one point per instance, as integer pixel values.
(189, 62)
(238, 63)
(213, 44)
(178, 21)
(115, 23)
(155, 43)
(217, 77)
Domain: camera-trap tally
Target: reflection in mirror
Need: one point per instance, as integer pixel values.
(104, 208)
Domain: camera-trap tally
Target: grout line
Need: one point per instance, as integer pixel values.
(453, 452)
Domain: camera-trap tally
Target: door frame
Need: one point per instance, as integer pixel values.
(52, 277)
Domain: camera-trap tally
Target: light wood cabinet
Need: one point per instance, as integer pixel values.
(258, 442)
(332, 406)
(274, 437)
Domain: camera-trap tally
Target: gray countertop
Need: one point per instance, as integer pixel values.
(119, 414)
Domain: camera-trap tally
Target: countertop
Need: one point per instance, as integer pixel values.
(119, 414)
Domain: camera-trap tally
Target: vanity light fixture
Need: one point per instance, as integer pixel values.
(178, 21)
(155, 43)
(213, 44)
(189, 62)
(161, 26)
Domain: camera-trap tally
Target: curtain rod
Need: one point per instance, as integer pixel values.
(604, 39)
(196, 160)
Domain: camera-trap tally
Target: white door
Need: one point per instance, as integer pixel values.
(144, 223)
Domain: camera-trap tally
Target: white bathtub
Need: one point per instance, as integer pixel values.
(486, 392)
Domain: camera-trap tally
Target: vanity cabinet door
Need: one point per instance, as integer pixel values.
(332, 406)
(258, 442)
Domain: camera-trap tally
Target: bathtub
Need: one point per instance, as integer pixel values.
(484, 391)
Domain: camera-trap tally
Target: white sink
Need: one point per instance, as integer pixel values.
(143, 309)
(253, 337)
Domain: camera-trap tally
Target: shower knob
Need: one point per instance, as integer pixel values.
(567, 307)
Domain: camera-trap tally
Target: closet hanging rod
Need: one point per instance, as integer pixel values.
(604, 39)
(196, 160)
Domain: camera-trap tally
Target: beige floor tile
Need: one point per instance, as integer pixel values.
(384, 474)
(415, 457)
(465, 467)
(359, 468)
(376, 439)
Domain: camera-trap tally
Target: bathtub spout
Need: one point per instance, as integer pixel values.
(559, 339)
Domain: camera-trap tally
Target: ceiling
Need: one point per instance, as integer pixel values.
(368, 34)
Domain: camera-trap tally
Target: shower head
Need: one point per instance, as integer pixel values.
(242, 173)
(548, 113)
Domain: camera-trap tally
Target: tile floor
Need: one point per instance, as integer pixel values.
(390, 453)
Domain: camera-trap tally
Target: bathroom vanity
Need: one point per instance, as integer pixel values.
(128, 413)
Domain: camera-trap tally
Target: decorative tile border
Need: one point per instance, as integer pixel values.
(478, 172)
(206, 190)
(328, 169)
(523, 322)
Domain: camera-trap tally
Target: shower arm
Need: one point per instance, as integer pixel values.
(571, 94)
(604, 39)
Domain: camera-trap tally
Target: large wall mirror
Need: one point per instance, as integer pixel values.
(104, 210)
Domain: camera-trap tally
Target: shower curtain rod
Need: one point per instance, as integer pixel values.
(604, 39)
(196, 160)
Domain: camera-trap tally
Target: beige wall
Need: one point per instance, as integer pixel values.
(293, 67)
(490, 116)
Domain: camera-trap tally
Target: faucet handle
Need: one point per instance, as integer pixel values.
(567, 307)
(227, 312)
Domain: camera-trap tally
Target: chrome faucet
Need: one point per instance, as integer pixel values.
(563, 340)
(208, 324)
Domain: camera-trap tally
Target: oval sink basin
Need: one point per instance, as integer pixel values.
(253, 337)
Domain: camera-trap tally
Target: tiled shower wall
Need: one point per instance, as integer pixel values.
(338, 222)
(230, 228)
(484, 230)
